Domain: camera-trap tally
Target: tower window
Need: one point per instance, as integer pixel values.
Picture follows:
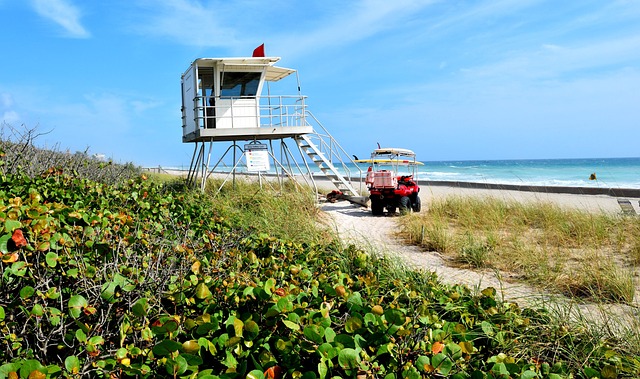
(239, 84)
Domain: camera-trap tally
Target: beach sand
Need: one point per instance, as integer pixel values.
(355, 225)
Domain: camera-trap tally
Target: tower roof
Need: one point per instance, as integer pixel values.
(273, 74)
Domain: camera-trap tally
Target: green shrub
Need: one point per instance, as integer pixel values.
(146, 280)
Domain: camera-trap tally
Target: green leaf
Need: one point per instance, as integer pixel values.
(29, 366)
(37, 310)
(26, 292)
(394, 316)
(202, 291)
(355, 299)
(329, 335)
(489, 292)
(285, 305)
(528, 375)
(81, 336)
(487, 328)
(140, 307)
(251, 330)
(109, 292)
(500, 369)
(166, 347)
(454, 350)
(327, 351)
(76, 304)
(2, 314)
(314, 333)
(255, 374)
(270, 286)
(54, 316)
(19, 268)
(348, 358)
(353, 324)
(96, 340)
(72, 364)
(3, 243)
(442, 363)
(207, 327)
(6, 368)
(192, 360)
(411, 373)
(322, 370)
(11, 225)
(177, 366)
(590, 373)
(291, 325)
(167, 326)
(51, 259)
(238, 326)
(422, 362)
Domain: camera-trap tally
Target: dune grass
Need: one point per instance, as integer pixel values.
(288, 211)
(569, 251)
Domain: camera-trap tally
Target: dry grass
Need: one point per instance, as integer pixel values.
(579, 253)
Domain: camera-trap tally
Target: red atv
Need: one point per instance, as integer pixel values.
(387, 189)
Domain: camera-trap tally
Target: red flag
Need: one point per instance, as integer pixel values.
(259, 51)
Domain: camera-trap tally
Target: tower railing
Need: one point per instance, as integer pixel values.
(270, 111)
(333, 151)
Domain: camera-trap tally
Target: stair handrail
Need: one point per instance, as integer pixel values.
(335, 150)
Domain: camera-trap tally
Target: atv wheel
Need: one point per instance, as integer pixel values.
(416, 204)
(377, 207)
(405, 205)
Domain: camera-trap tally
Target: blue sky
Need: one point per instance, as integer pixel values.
(452, 80)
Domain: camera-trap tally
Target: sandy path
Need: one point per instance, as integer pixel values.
(356, 225)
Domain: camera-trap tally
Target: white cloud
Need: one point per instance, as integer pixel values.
(6, 100)
(186, 22)
(140, 106)
(235, 24)
(559, 62)
(355, 22)
(62, 13)
(11, 117)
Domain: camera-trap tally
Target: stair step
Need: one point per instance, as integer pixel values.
(325, 165)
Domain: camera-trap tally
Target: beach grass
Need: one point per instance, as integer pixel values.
(589, 255)
(283, 211)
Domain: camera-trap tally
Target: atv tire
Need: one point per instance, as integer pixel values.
(416, 204)
(405, 205)
(377, 206)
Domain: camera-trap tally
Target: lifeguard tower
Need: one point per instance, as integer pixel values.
(223, 101)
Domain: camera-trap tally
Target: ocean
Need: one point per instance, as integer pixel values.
(609, 172)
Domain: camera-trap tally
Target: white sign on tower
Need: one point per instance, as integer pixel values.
(257, 156)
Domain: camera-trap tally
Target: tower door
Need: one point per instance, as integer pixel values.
(237, 106)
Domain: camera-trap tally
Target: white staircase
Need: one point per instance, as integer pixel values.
(325, 158)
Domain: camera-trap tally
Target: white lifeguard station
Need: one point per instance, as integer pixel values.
(223, 101)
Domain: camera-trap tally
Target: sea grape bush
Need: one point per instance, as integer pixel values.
(142, 280)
